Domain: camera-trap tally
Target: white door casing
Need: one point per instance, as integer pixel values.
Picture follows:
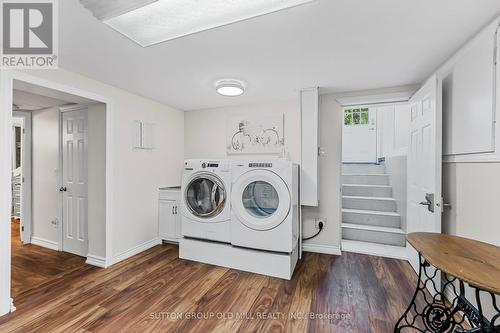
(74, 187)
(424, 163)
(359, 141)
(26, 175)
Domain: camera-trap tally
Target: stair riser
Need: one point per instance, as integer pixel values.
(363, 169)
(367, 191)
(372, 219)
(366, 179)
(369, 204)
(374, 237)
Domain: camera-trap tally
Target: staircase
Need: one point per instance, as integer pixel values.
(370, 222)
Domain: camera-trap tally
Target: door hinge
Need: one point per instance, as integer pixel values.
(22, 228)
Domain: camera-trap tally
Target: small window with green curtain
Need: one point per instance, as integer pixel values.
(356, 116)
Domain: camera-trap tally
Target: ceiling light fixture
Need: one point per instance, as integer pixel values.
(148, 22)
(230, 87)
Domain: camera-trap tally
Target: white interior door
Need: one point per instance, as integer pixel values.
(359, 135)
(424, 163)
(74, 182)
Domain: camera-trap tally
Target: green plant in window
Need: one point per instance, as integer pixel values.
(356, 117)
(364, 117)
(348, 117)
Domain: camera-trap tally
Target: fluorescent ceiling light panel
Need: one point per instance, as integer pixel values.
(168, 19)
(106, 9)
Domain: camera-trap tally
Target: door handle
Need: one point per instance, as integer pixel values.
(63, 189)
(429, 202)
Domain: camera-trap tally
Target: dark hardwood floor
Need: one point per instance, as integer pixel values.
(33, 265)
(156, 291)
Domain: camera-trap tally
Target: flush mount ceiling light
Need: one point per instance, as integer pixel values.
(149, 22)
(230, 87)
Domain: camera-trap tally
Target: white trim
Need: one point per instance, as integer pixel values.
(26, 187)
(7, 78)
(97, 261)
(44, 243)
(324, 249)
(136, 250)
(372, 249)
(12, 306)
(375, 99)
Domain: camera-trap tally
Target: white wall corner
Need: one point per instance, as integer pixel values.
(323, 249)
(136, 250)
(97, 261)
(45, 243)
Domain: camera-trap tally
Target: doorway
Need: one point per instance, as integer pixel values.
(359, 135)
(375, 144)
(51, 198)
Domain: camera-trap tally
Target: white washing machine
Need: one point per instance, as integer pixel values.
(265, 205)
(205, 200)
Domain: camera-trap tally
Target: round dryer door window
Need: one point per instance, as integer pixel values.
(260, 200)
(205, 196)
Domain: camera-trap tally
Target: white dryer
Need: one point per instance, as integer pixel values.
(205, 200)
(265, 205)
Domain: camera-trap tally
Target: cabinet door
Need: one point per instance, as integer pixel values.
(168, 219)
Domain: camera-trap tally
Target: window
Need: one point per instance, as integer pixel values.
(356, 116)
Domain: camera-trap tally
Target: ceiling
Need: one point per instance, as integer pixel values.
(30, 97)
(339, 45)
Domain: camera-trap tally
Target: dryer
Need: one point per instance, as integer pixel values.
(205, 200)
(265, 205)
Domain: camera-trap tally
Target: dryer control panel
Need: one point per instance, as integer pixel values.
(260, 165)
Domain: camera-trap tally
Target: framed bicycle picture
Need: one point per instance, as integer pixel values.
(255, 135)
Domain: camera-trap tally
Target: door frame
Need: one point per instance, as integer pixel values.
(60, 175)
(26, 189)
(7, 78)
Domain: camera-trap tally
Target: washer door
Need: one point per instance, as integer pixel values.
(261, 200)
(205, 195)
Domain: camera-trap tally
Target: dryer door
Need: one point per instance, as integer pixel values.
(260, 200)
(205, 195)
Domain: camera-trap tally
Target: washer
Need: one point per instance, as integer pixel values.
(205, 200)
(265, 205)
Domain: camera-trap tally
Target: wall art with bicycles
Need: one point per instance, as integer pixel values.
(256, 134)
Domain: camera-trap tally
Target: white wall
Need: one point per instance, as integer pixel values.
(205, 130)
(96, 149)
(392, 129)
(472, 190)
(205, 137)
(45, 181)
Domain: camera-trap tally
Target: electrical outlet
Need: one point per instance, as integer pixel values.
(317, 221)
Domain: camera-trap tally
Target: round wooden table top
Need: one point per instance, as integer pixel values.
(471, 261)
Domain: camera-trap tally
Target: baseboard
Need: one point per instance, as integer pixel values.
(96, 261)
(324, 249)
(12, 307)
(136, 250)
(372, 249)
(44, 243)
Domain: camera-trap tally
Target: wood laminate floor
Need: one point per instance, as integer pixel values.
(156, 291)
(33, 265)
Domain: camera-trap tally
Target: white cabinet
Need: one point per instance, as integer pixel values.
(169, 218)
